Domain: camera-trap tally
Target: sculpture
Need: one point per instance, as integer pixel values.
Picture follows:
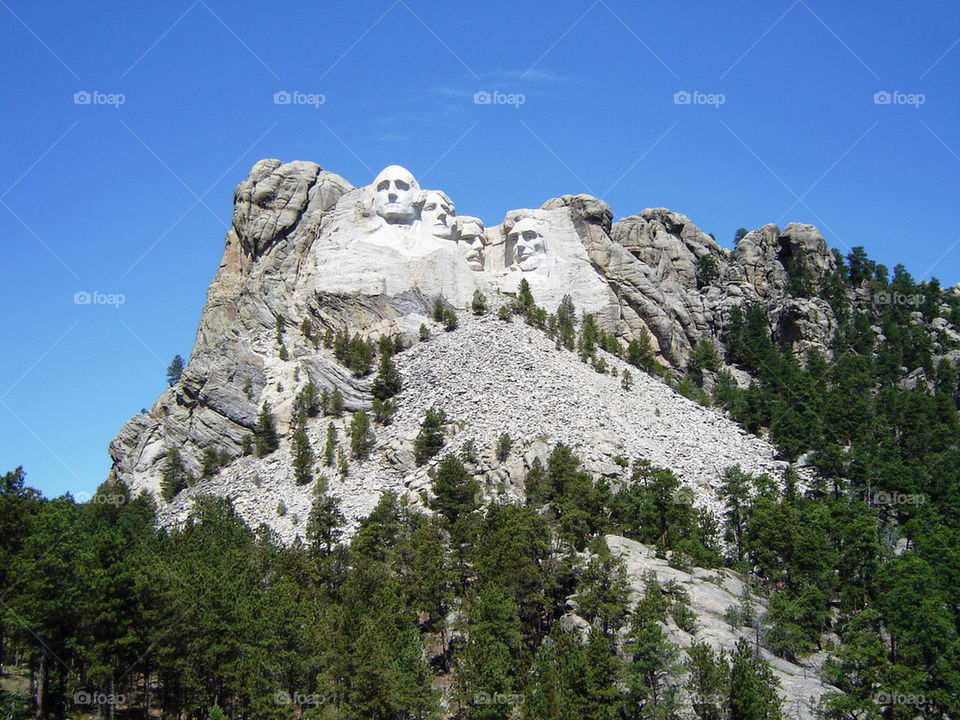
(469, 232)
(437, 214)
(525, 245)
(396, 195)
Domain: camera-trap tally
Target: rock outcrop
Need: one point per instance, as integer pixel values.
(306, 247)
(711, 593)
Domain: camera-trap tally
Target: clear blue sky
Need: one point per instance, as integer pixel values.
(134, 198)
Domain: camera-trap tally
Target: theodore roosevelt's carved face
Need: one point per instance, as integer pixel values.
(527, 244)
(396, 195)
(470, 233)
(437, 214)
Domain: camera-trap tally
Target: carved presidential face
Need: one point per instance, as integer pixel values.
(527, 243)
(437, 214)
(471, 240)
(396, 193)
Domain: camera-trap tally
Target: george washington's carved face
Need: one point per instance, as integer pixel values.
(396, 193)
(527, 244)
(437, 214)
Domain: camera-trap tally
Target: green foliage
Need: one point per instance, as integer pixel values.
(438, 309)
(504, 443)
(387, 382)
(265, 439)
(739, 235)
(424, 332)
(307, 402)
(216, 714)
(302, 455)
(454, 489)
(430, 439)
(330, 447)
(174, 370)
(503, 313)
(336, 403)
(707, 270)
(173, 475)
(450, 321)
(211, 461)
(361, 436)
(479, 303)
(640, 351)
(752, 694)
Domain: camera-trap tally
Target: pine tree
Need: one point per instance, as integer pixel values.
(388, 382)
(265, 439)
(174, 370)
(753, 694)
(438, 310)
(430, 439)
(336, 403)
(302, 455)
(479, 303)
(450, 321)
(424, 333)
(307, 401)
(324, 523)
(504, 443)
(454, 489)
(329, 450)
(626, 381)
(173, 476)
(361, 435)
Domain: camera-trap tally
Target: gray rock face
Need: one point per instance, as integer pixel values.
(306, 246)
(711, 592)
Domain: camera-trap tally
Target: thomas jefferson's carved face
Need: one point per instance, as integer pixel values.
(437, 214)
(396, 195)
(527, 243)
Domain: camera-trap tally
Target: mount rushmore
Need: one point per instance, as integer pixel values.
(306, 247)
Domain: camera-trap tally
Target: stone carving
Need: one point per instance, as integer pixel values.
(437, 214)
(526, 247)
(469, 233)
(396, 195)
